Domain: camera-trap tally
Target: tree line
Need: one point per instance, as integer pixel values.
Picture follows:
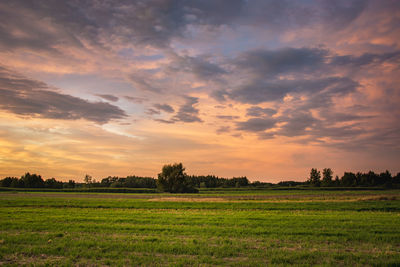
(349, 179)
(176, 183)
(35, 181)
(174, 179)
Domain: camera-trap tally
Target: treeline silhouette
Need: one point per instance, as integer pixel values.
(349, 179)
(36, 181)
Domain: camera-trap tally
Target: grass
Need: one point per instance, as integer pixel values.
(219, 228)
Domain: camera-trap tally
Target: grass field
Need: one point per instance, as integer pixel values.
(238, 228)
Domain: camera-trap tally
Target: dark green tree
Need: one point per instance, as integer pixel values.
(32, 180)
(53, 183)
(315, 177)
(6, 182)
(70, 184)
(348, 179)
(173, 179)
(327, 177)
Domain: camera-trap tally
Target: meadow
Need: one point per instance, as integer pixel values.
(214, 227)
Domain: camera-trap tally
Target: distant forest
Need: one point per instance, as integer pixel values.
(349, 179)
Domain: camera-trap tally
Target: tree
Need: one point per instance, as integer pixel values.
(87, 179)
(315, 177)
(70, 184)
(349, 179)
(327, 177)
(53, 183)
(6, 182)
(32, 180)
(173, 179)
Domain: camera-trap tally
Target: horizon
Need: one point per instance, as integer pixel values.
(262, 89)
(98, 179)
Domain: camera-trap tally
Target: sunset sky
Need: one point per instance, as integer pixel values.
(265, 89)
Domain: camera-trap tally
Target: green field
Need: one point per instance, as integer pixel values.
(238, 228)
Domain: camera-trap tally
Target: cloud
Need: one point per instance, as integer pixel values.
(260, 76)
(152, 111)
(47, 26)
(23, 25)
(199, 66)
(272, 62)
(365, 59)
(255, 111)
(227, 117)
(136, 99)
(146, 82)
(27, 97)
(109, 97)
(259, 91)
(223, 129)
(256, 124)
(297, 123)
(164, 121)
(164, 107)
(151, 22)
(339, 14)
(187, 112)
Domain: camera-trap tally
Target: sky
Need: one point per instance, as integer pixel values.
(258, 88)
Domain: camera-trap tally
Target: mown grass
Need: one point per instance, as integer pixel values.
(288, 228)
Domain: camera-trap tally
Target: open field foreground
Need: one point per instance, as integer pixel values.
(211, 228)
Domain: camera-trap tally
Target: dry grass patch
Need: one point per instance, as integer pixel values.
(22, 259)
(190, 199)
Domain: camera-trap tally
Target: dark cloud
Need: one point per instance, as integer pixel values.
(223, 129)
(27, 97)
(44, 25)
(386, 140)
(152, 111)
(271, 62)
(151, 22)
(198, 66)
(227, 117)
(145, 82)
(109, 97)
(335, 117)
(261, 71)
(297, 124)
(165, 121)
(309, 77)
(187, 112)
(136, 99)
(259, 91)
(169, 19)
(365, 59)
(338, 132)
(267, 65)
(339, 14)
(299, 121)
(256, 124)
(255, 111)
(26, 24)
(164, 107)
(266, 135)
